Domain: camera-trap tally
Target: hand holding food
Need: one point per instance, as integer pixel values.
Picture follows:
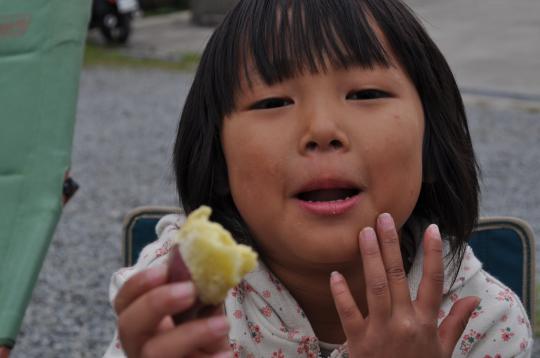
(174, 310)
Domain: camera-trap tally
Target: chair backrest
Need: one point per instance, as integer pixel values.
(41, 50)
(504, 245)
(506, 248)
(140, 230)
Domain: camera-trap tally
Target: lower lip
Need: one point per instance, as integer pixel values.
(329, 208)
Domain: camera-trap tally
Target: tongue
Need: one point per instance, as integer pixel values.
(327, 194)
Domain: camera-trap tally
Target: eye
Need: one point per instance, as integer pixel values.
(270, 103)
(367, 94)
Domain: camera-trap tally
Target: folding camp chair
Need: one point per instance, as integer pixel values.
(504, 245)
(41, 49)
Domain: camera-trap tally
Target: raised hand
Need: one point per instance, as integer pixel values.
(145, 306)
(396, 326)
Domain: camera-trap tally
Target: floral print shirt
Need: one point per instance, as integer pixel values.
(266, 321)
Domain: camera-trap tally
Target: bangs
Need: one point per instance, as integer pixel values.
(280, 39)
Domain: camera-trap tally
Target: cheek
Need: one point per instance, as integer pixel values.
(254, 165)
(396, 167)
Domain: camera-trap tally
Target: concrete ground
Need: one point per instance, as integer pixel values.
(492, 45)
(126, 121)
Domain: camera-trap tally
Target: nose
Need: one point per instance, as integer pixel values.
(322, 133)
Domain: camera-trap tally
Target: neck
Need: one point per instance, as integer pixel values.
(311, 289)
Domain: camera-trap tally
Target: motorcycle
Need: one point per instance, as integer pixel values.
(113, 18)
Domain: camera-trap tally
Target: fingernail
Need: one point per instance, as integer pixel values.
(368, 234)
(156, 273)
(226, 354)
(182, 290)
(434, 229)
(386, 221)
(219, 325)
(336, 277)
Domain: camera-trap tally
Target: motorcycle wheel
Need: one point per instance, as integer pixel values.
(116, 27)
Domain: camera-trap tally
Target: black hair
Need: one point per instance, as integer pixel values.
(312, 35)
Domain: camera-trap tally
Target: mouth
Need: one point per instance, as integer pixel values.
(328, 195)
(328, 198)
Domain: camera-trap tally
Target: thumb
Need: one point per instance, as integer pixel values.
(452, 327)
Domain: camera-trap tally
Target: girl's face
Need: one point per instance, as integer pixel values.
(313, 160)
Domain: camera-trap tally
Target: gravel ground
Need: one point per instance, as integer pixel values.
(126, 123)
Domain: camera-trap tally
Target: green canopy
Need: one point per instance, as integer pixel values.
(41, 48)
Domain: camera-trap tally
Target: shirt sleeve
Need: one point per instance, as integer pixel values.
(152, 255)
(498, 327)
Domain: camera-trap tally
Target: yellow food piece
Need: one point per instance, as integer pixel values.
(216, 262)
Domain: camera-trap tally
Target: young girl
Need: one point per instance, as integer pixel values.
(330, 136)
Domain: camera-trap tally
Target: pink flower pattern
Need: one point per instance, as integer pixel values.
(266, 311)
(469, 339)
(441, 314)
(505, 295)
(238, 292)
(523, 345)
(291, 332)
(506, 334)
(309, 346)
(163, 250)
(236, 348)
(477, 312)
(522, 321)
(255, 331)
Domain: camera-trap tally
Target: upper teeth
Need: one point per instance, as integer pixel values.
(321, 201)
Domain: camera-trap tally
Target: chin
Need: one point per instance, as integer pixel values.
(330, 248)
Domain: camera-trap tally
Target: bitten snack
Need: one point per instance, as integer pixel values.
(214, 260)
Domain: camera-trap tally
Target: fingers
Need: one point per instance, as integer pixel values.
(209, 311)
(377, 292)
(139, 284)
(452, 327)
(431, 287)
(225, 354)
(190, 337)
(142, 318)
(393, 263)
(349, 314)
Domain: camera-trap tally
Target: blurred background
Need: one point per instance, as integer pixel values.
(132, 88)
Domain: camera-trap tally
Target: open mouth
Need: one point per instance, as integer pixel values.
(328, 195)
